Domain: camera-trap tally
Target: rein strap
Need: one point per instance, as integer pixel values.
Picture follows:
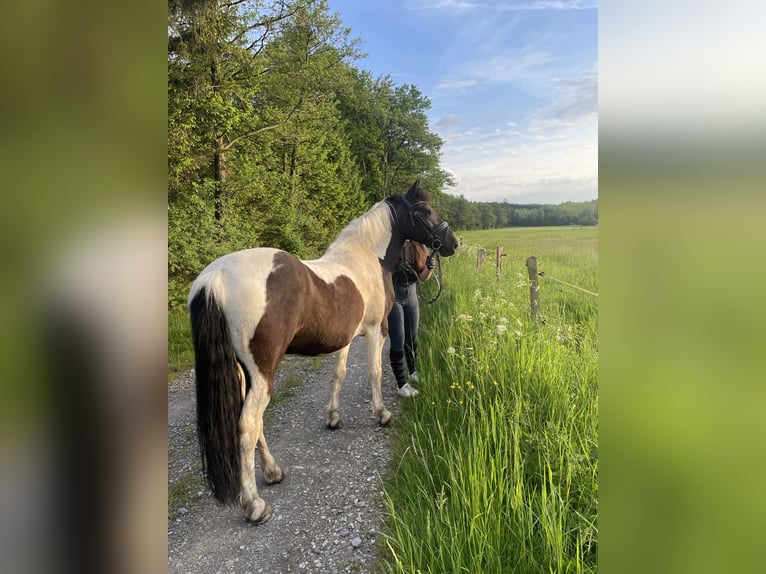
(438, 279)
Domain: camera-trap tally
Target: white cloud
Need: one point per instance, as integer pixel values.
(446, 122)
(511, 67)
(548, 157)
(575, 104)
(462, 5)
(454, 84)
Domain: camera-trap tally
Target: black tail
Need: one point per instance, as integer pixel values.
(219, 397)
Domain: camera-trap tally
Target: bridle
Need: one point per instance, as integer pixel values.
(417, 219)
(433, 235)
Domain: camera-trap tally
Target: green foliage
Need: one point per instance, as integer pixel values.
(180, 347)
(274, 138)
(496, 462)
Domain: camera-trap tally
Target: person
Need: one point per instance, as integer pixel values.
(414, 265)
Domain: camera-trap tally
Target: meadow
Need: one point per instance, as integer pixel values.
(495, 465)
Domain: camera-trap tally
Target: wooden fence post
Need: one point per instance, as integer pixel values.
(499, 254)
(480, 258)
(534, 287)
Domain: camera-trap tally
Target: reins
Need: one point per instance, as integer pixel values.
(438, 279)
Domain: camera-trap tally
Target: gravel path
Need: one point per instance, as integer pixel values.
(329, 507)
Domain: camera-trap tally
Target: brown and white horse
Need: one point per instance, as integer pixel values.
(250, 308)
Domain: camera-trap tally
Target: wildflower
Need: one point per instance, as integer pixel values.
(454, 386)
(494, 383)
(503, 320)
(463, 317)
(501, 328)
(517, 332)
(451, 350)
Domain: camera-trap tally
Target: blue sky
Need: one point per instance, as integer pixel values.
(513, 87)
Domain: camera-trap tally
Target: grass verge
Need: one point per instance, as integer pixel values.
(496, 463)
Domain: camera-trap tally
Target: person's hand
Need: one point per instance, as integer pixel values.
(430, 263)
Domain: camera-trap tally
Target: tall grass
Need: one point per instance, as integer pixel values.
(496, 462)
(180, 346)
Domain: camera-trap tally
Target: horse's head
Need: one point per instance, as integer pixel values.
(415, 219)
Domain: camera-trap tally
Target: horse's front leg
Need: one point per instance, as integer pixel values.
(375, 341)
(338, 376)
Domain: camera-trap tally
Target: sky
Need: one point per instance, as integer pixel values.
(513, 88)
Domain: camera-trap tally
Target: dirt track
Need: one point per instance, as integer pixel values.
(329, 507)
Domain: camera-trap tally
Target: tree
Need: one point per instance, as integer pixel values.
(390, 136)
(215, 71)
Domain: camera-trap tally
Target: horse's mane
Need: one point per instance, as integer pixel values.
(375, 224)
(368, 227)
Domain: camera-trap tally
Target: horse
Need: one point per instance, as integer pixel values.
(250, 308)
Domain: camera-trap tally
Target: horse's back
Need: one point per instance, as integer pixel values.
(224, 277)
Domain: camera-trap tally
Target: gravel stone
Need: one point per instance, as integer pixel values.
(330, 477)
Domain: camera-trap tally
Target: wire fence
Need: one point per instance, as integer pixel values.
(542, 274)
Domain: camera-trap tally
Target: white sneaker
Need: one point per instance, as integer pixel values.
(408, 391)
(414, 377)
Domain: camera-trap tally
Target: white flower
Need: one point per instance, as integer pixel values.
(503, 320)
(463, 317)
(501, 328)
(450, 350)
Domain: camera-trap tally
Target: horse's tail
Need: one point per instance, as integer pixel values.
(219, 396)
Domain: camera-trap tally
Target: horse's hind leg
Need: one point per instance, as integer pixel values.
(271, 469)
(375, 343)
(251, 429)
(333, 415)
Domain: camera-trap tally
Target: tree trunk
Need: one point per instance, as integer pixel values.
(219, 176)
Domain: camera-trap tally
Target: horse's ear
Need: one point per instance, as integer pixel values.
(417, 193)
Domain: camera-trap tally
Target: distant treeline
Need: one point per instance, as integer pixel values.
(463, 214)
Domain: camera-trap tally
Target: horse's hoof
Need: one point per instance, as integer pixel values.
(264, 516)
(334, 422)
(278, 479)
(385, 418)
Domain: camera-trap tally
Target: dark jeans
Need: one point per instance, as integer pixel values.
(403, 323)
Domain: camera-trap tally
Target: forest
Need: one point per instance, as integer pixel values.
(276, 137)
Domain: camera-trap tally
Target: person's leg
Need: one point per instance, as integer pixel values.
(396, 337)
(411, 325)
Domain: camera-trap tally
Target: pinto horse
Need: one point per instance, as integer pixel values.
(250, 308)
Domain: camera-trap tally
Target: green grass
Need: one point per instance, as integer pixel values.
(180, 346)
(184, 493)
(496, 462)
